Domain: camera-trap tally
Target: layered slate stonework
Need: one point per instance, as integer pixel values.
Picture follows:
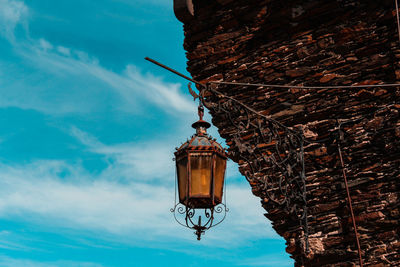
(313, 43)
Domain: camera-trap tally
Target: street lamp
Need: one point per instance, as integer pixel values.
(200, 169)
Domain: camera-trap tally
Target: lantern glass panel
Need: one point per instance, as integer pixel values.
(201, 171)
(220, 166)
(181, 165)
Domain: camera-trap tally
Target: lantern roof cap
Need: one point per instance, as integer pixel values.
(201, 123)
(202, 142)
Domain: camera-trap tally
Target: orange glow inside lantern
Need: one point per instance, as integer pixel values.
(201, 165)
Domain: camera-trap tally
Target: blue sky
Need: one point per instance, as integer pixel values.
(87, 139)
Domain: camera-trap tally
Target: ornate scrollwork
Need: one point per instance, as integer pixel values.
(186, 217)
(274, 160)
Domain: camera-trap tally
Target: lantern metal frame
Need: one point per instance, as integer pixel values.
(188, 211)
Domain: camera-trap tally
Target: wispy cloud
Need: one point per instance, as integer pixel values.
(140, 210)
(144, 161)
(7, 241)
(267, 261)
(67, 69)
(80, 201)
(18, 262)
(12, 13)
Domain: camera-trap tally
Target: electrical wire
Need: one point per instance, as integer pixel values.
(350, 202)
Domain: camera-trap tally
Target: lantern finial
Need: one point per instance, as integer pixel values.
(200, 111)
(201, 126)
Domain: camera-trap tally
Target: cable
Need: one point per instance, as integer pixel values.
(250, 109)
(349, 201)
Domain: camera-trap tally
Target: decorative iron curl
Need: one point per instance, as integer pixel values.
(274, 161)
(184, 215)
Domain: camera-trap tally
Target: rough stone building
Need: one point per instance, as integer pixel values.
(310, 43)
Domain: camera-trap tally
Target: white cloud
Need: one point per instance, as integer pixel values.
(267, 261)
(57, 79)
(64, 50)
(80, 200)
(12, 12)
(135, 210)
(64, 80)
(7, 241)
(144, 161)
(45, 45)
(15, 262)
(166, 97)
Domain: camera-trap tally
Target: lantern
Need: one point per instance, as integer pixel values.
(200, 169)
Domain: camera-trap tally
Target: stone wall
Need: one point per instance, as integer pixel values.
(326, 42)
